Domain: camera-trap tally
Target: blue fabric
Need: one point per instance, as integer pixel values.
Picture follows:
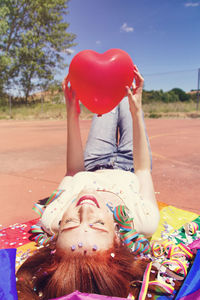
(195, 295)
(103, 149)
(192, 281)
(7, 274)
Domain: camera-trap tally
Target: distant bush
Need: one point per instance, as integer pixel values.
(181, 94)
(159, 96)
(173, 95)
(3, 102)
(153, 115)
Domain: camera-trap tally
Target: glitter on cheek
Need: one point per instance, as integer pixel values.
(94, 248)
(73, 247)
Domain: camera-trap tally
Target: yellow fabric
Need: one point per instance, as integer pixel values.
(23, 252)
(174, 218)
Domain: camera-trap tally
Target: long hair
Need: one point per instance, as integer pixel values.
(46, 275)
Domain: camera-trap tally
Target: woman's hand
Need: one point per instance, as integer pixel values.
(135, 94)
(72, 103)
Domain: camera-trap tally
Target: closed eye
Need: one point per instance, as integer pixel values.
(99, 222)
(71, 221)
(99, 225)
(70, 227)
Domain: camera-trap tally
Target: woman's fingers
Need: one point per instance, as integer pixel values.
(68, 91)
(133, 85)
(141, 80)
(133, 88)
(63, 85)
(70, 97)
(138, 78)
(129, 92)
(73, 94)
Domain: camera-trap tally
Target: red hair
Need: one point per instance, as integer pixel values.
(58, 275)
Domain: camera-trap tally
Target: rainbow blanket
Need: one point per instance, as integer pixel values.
(16, 247)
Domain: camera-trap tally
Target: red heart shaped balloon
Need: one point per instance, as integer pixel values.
(99, 80)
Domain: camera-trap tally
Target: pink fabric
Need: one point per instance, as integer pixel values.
(16, 235)
(193, 296)
(195, 245)
(83, 296)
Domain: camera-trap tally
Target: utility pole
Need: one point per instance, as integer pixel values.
(10, 105)
(42, 104)
(198, 86)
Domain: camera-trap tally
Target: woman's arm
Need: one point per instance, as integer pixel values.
(75, 158)
(142, 163)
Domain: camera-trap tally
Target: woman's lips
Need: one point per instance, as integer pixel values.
(90, 198)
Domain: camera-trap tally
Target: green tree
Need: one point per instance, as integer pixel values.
(171, 97)
(152, 96)
(181, 94)
(33, 36)
(167, 97)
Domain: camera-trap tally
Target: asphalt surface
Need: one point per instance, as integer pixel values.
(32, 163)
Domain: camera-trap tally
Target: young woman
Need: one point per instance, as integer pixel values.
(103, 204)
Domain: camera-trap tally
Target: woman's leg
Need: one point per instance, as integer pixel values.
(125, 147)
(125, 158)
(101, 146)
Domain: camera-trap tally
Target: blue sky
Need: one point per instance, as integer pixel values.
(161, 36)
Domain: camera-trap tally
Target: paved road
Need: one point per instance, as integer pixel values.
(32, 160)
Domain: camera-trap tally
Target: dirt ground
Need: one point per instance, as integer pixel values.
(32, 160)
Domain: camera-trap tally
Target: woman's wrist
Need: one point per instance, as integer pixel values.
(72, 113)
(72, 119)
(137, 113)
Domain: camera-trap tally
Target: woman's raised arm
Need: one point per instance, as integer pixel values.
(142, 162)
(75, 158)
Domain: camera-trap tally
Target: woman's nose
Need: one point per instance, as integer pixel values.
(86, 211)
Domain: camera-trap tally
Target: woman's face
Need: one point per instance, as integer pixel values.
(87, 225)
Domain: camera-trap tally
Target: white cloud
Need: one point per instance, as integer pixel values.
(125, 28)
(69, 51)
(98, 42)
(192, 4)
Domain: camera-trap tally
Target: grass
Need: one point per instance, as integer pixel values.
(175, 109)
(49, 110)
(34, 111)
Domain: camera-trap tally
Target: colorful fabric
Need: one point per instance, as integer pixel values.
(7, 274)
(83, 296)
(171, 228)
(18, 236)
(192, 282)
(193, 296)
